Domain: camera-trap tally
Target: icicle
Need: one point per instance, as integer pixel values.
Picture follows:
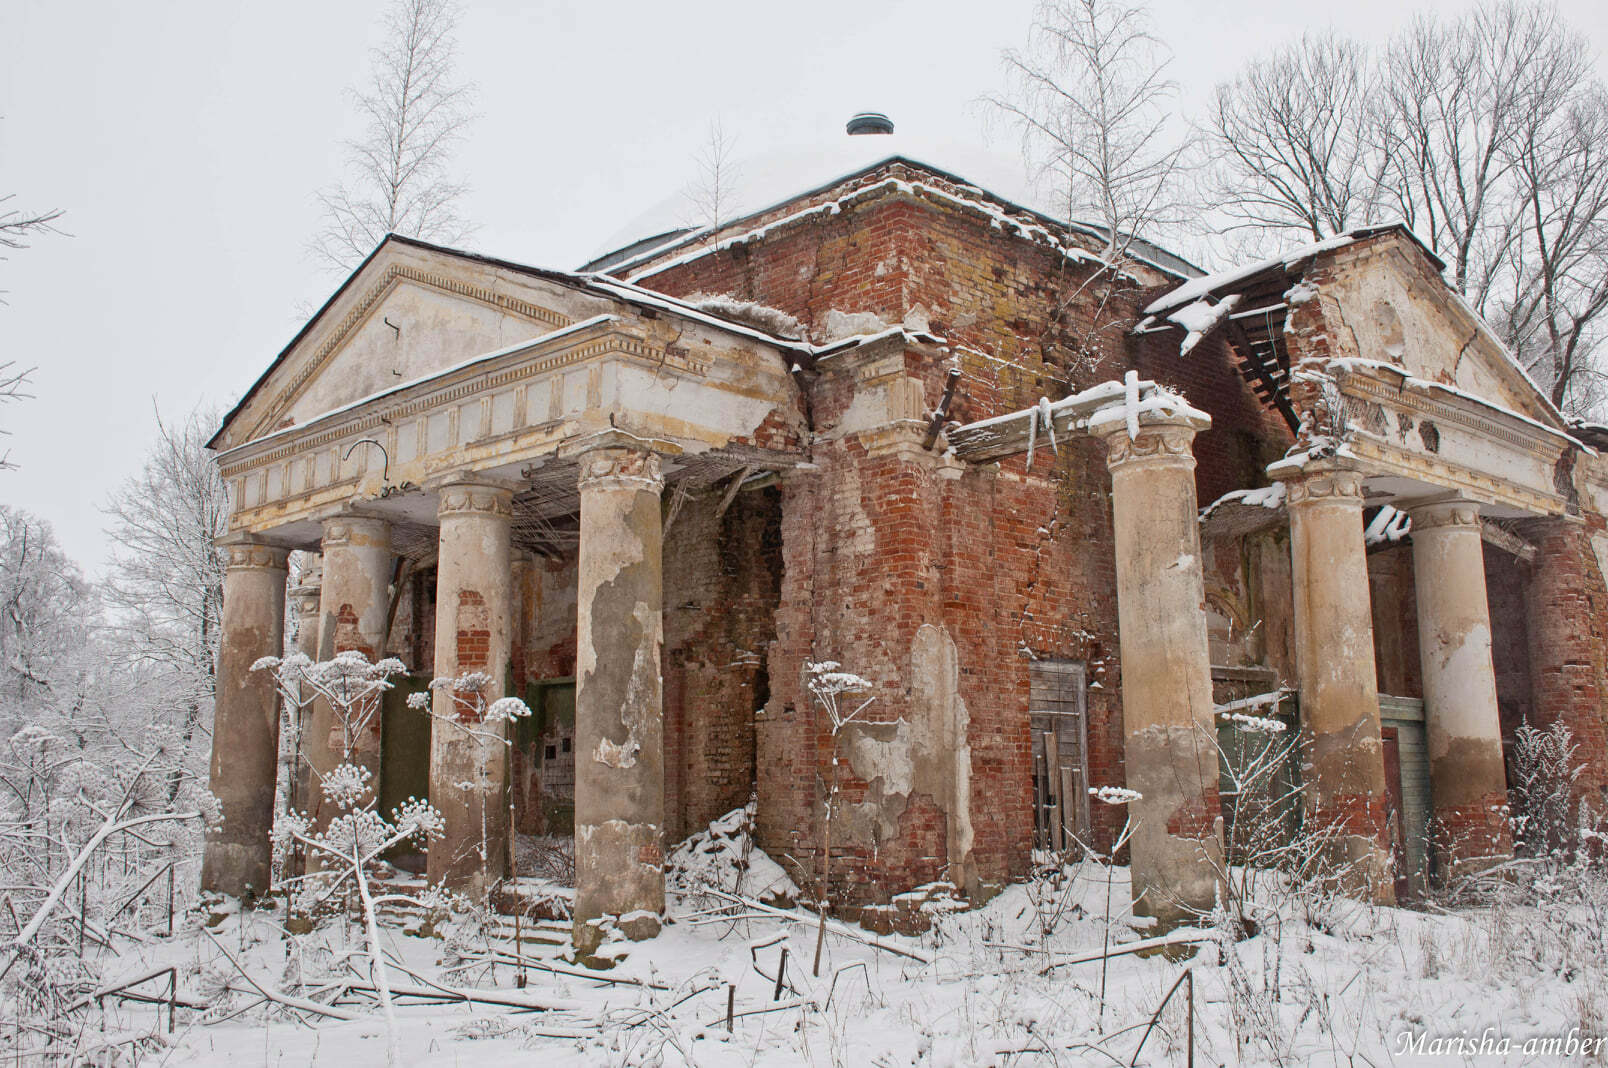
(1049, 423)
(1130, 382)
(1032, 436)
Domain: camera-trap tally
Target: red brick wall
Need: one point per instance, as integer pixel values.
(1507, 590)
(1014, 565)
(722, 580)
(1568, 636)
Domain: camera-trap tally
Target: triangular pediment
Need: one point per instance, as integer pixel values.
(1401, 312)
(409, 312)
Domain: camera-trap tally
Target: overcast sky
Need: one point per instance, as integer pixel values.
(186, 142)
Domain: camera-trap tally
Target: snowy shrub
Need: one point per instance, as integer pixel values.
(1543, 771)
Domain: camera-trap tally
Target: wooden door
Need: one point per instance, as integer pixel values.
(1395, 810)
(1058, 701)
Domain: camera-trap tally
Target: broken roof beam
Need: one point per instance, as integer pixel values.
(1278, 392)
(990, 440)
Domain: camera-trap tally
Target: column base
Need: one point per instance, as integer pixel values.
(591, 935)
(1177, 843)
(619, 870)
(1472, 838)
(1352, 836)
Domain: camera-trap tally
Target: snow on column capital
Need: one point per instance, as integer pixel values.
(245, 736)
(1167, 710)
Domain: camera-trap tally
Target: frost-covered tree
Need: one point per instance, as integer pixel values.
(47, 610)
(18, 227)
(1459, 98)
(398, 172)
(164, 589)
(1557, 315)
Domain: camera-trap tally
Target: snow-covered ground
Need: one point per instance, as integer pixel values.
(1016, 981)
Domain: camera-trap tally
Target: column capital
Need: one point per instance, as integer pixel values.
(240, 554)
(610, 466)
(475, 498)
(1330, 479)
(345, 529)
(1164, 437)
(1443, 512)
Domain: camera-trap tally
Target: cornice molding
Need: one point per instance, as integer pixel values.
(451, 387)
(1470, 413)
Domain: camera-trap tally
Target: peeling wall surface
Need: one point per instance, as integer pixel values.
(649, 517)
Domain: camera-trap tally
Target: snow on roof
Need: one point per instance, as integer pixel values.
(1201, 318)
(1196, 288)
(795, 176)
(775, 177)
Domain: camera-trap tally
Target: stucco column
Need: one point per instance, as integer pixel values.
(304, 603)
(1167, 709)
(1462, 722)
(468, 757)
(1343, 766)
(619, 717)
(354, 603)
(245, 734)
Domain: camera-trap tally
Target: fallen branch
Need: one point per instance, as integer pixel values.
(1177, 938)
(840, 929)
(181, 1000)
(279, 997)
(111, 826)
(473, 995)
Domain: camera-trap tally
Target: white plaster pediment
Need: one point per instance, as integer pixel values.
(1398, 313)
(408, 313)
(434, 330)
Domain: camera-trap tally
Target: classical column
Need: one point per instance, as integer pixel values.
(1167, 709)
(619, 718)
(1462, 722)
(245, 734)
(354, 606)
(304, 601)
(1344, 766)
(468, 757)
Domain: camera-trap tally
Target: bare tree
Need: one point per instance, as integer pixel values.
(1295, 139)
(712, 197)
(1089, 97)
(1555, 317)
(17, 226)
(12, 382)
(165, 585)
(399, 177)
(1459, 98)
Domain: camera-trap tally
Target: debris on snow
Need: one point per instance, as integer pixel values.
(724, 857)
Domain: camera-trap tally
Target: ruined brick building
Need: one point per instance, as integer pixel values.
(647, 494)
